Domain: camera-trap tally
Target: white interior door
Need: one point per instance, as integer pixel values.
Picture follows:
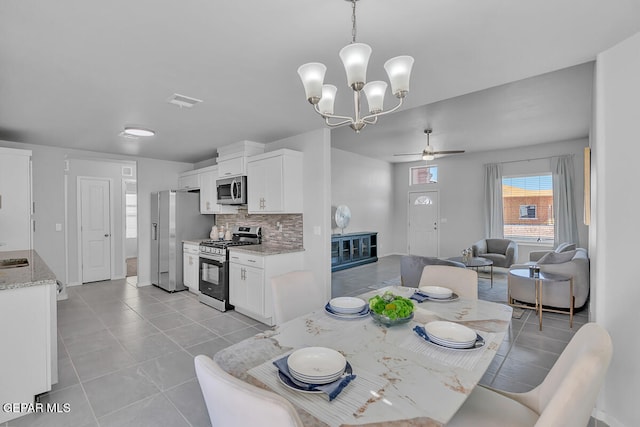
(95, 229)
(423, 223)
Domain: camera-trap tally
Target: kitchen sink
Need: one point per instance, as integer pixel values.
(13, 262)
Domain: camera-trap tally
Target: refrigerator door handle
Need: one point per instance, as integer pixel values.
(154, 233)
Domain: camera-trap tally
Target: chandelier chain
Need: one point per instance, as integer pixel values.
(353, 22)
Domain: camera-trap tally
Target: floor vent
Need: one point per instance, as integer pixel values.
(183, 101)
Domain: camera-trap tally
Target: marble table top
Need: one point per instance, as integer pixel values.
(412, 382)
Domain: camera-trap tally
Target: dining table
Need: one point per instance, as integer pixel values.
(401, 379)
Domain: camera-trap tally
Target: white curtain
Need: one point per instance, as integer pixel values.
(493, 215)
(564, 207)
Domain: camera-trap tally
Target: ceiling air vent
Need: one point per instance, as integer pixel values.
(183, 101)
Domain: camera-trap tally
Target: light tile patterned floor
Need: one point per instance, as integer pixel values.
(126, 353)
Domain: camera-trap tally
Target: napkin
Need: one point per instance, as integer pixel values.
(418, 296)
(332, 389)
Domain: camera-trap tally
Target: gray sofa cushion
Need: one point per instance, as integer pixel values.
(557, 257)
(565, 247)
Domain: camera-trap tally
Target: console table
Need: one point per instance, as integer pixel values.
(353, 249)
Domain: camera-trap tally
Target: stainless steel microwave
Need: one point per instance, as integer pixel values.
(232, 191)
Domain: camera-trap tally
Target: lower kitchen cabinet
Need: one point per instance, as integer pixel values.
(190, 272)
(250, 281)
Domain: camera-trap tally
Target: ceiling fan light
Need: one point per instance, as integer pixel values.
(138, 131)
(312, 76)
(355, 58)
(399, 72)
(427, 156)
(328, 98)
(374, 92)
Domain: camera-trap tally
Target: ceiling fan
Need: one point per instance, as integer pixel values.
(429, 153)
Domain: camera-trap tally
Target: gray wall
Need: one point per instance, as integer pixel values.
(613, 233)
(96, 169)
(365, 185)
(460, 185)
(316, 146)
(49, 195)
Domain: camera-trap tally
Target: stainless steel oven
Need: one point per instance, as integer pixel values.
(214, 281)
(214, 266)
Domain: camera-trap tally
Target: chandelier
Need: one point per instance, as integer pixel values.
(355, 58)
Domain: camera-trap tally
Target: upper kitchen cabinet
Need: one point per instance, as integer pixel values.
(274, 182)
(209, 193)
(232, 158)
(15, 199)
(189, 180)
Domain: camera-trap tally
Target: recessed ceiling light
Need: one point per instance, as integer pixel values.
(138, 131)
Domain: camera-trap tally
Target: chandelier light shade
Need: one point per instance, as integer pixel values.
(355, 58)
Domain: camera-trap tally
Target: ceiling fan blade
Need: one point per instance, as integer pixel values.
(448, 152)
(408, 154)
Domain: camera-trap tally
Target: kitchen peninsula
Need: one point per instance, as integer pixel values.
(28, 310)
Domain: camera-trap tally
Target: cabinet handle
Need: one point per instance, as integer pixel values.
(251, 260)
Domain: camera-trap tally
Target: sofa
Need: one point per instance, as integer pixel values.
(411, 267)
(503, 252)
(574, 263)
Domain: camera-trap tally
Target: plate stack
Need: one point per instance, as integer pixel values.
(316, 365)
(449, 334)
(347, 307)
(437, 292)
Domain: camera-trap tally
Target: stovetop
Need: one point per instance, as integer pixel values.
(223, 244)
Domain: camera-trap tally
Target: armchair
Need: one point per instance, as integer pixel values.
(503, 252)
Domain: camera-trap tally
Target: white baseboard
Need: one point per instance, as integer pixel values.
(143, 284)
(74, 284)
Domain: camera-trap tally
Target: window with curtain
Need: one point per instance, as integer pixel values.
(423, 175)
(528, 208)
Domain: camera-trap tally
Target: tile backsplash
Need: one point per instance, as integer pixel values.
(291, 226)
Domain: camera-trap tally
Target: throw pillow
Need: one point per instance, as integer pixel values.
(557, 257)
(565, 247)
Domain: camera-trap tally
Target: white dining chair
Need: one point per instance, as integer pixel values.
(462, 281)
(294, 294)
(564, 399)
(232, 402)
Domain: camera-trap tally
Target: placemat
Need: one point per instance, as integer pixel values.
(337, 412)
(465, 359)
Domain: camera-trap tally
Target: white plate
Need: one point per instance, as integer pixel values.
(316, 362)
(347, 305)
(359, 315)
(436, 292)
(448, 332)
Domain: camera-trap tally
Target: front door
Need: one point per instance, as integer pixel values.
(423, 223)
(95, 229)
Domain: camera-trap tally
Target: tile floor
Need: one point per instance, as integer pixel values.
(126, 353)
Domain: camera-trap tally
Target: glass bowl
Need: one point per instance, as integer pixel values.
(384, 320)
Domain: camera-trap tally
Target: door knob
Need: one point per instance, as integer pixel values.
(106, 235)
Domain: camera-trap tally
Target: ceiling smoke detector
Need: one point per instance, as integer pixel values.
(183, 101)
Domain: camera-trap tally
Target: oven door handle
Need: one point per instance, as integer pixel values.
(213, 258)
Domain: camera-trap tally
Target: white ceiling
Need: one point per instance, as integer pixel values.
(73, 73)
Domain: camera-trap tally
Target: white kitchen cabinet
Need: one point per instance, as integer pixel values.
(274, 182)
(190, 267)
(29, 350)
(209, 193)
(232, 158)
(15, 199)
(189, 180)
(250, 281)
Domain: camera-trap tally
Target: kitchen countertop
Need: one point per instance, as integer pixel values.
(266, 249)
(35, 274)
